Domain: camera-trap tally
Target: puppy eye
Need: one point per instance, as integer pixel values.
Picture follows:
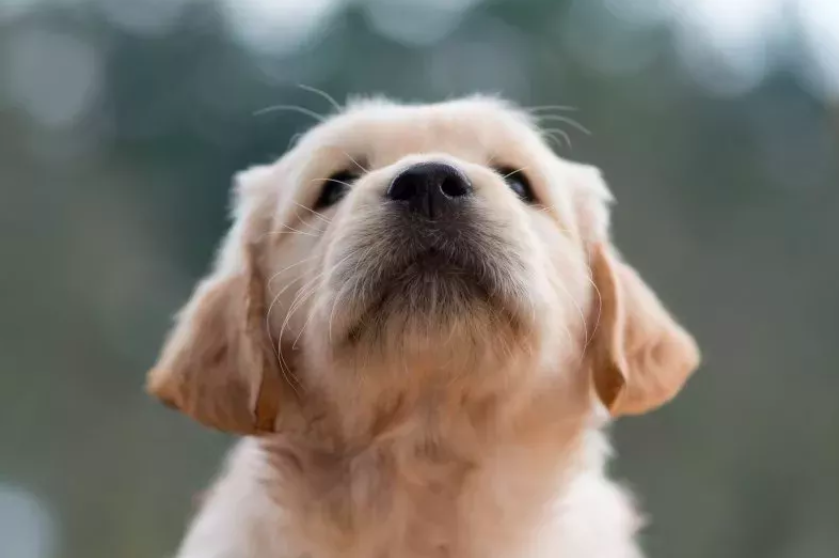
(518, 183)
(335, 188)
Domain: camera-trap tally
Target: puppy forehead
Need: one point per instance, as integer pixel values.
(474, 129)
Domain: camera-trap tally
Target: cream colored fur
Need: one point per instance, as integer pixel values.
(419, 431)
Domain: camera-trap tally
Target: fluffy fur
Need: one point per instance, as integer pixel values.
(399, 405)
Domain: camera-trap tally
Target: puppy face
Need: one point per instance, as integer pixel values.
(440, 255)
(411, 251)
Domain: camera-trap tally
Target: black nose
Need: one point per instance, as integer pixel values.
(430, 189)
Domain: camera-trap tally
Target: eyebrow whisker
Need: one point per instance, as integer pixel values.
(511, 173)
(565, 119)
(552, 133)
(359, 165)
(352, 159)
(294, 139)
(329, 98)
(335, 180)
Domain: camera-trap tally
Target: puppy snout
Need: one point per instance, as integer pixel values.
(432, 190)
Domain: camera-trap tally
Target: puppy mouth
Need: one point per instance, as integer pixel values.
(432, 268)
(433, 284)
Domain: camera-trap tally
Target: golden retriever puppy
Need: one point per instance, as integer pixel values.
(418, 322)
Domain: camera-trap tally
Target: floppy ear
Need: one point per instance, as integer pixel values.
(218, 364)
(640, 356)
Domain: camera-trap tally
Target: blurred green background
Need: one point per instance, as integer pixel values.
(122, 121)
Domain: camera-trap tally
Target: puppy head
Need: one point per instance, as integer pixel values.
(417, 250)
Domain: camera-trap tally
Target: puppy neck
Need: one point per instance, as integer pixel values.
(406, 478)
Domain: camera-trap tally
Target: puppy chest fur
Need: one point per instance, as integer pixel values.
(425, 485)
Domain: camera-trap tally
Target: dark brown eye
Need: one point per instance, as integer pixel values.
(518, 183)
(335, 188)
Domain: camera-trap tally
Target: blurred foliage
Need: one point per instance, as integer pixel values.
(117, 143)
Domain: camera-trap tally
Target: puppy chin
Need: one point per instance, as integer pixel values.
(433, 313)
(431, 291)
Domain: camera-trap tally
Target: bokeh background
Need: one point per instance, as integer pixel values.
(122, 121)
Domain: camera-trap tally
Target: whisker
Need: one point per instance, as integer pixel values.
(291, 230)
(323, 94)
(335, 180)
(284, 289)
(277, 351)
(554, 142)
(320, 216)
(356, 163)
(565, 119)
(348, 156)
(302, 300)
(293, 140)
(299, 299)
(302, 297)
(553, 132)
(511, 173)
(286, 268)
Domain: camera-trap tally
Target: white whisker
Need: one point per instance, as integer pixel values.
(283, 270)
(293, 140)
(356, 163)
(302, 297)
(320, 216)
(299, 299)
(511, 173)
(335, 180)
(291, 230)
(331, 100)
(553, 132)
(277, 351)
(565, 119)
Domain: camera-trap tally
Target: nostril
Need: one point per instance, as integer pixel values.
(454, 186)
(402, 189)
